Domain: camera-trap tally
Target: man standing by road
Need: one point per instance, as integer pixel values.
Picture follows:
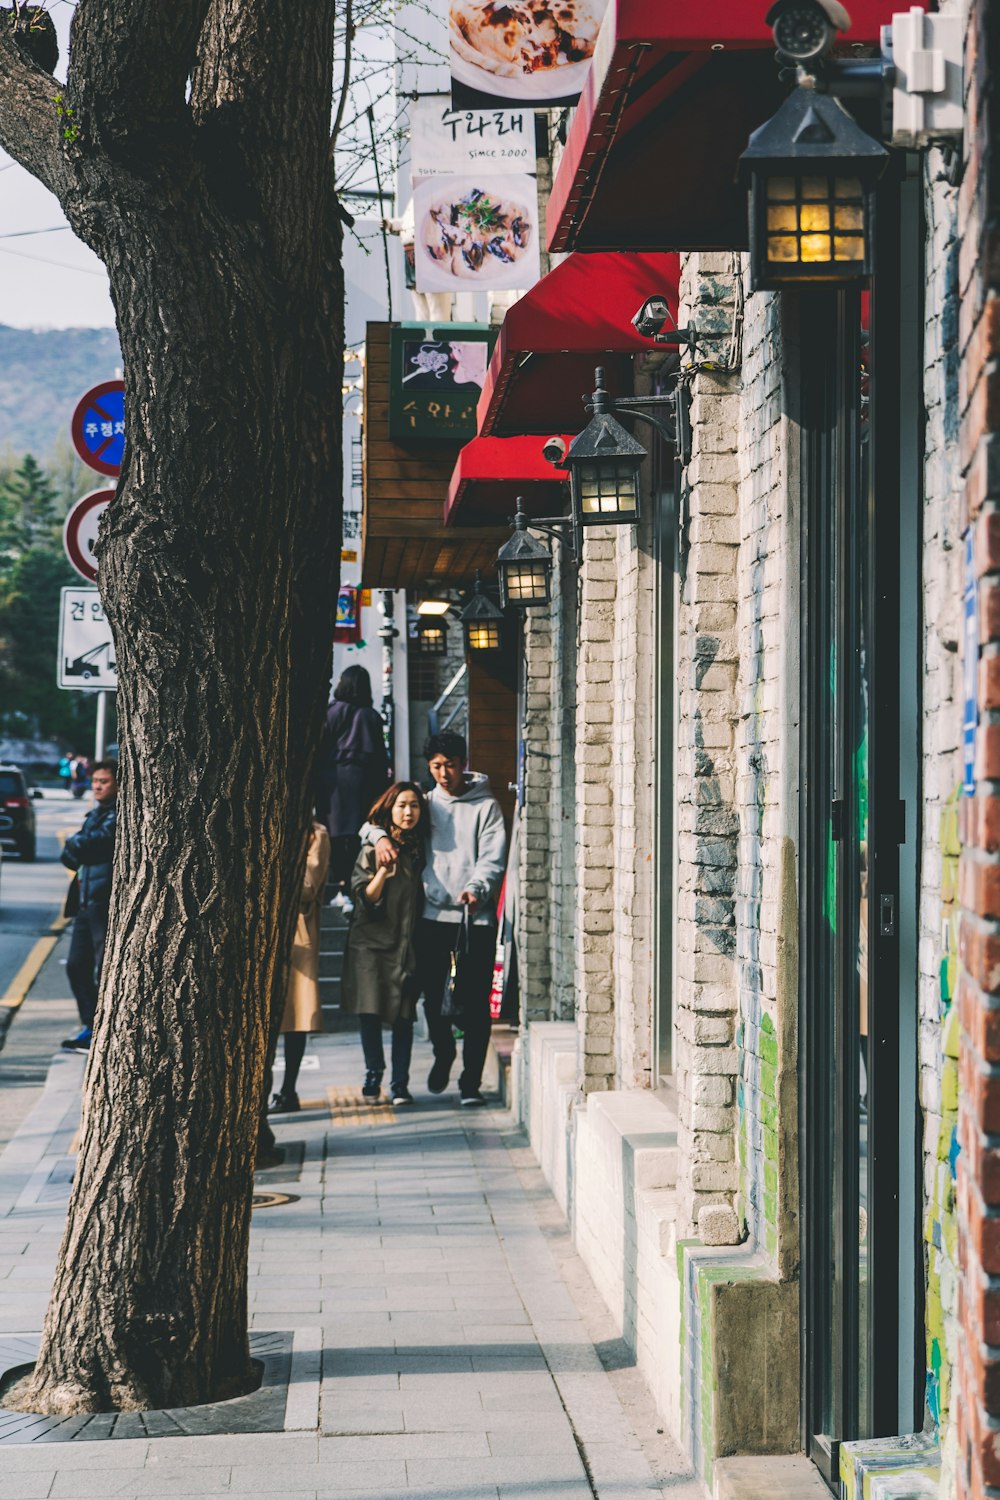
(465, 865)
(90, 853)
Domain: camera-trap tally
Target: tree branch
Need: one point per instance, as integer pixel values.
(30, 125)
(261, 94)
(129, 66)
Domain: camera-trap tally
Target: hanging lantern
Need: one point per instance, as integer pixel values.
(812, 172)
(604, 461)
(524, 567)
(482, 620)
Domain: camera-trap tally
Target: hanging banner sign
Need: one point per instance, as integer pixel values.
(443, 139)
(476, 233)
(436, 377)
(347, 628)
(532, 52)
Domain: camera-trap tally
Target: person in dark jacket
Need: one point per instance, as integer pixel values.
(380, 985)
(90, 854)
(354, 768)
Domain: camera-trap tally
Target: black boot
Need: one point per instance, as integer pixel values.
(372, 1086)
(284, 1104)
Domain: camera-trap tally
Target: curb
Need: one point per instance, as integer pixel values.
(20, 986)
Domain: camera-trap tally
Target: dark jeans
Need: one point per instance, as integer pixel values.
(435, 942)
(402, 1047)
(86, 954)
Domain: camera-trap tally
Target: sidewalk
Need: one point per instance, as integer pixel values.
(446, 1337)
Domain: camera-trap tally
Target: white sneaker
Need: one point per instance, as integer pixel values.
(343, 903)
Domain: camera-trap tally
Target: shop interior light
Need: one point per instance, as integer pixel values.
(524, 567)
(811, 171)
(433, 606)
(482, 620)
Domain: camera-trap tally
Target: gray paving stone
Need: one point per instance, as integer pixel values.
(530, 1471)
(79, 1484)
(27, 1486)
(436, 1299)
(367, 1474)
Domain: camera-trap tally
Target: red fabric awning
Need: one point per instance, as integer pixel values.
(581, 312)
(489, 475)
(673, 93)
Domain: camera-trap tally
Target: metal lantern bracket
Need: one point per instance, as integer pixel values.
(678, 434)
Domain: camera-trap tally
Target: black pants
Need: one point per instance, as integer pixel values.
(86, 954)
(402, 1048)
(435, 942)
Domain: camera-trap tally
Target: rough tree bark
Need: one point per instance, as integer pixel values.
(190, 147)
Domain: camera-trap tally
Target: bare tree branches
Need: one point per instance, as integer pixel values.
(30, 126)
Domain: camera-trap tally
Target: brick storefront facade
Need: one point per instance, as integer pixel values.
(977, 1458)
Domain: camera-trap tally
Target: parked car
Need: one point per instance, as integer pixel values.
(17, 815)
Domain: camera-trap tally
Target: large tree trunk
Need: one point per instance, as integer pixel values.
(218, 567)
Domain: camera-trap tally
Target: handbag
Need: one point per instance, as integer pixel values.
(452, 1003)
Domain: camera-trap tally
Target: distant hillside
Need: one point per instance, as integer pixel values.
(42, 376)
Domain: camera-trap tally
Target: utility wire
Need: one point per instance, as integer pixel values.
(44, 260)
(18, 234)
(385, 237)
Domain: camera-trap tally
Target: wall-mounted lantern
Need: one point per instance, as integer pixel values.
(524, 567)
(811, 171)
(432, 636)
(482, 620)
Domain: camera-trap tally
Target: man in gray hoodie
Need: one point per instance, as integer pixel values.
(465, 865)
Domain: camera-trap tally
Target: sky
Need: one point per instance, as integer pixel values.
(50, 279)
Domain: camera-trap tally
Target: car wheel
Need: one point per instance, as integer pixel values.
(28, 850)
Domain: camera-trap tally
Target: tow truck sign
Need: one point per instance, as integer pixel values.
(86, 650)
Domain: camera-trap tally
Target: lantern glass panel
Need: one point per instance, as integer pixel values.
(526, 582)
(608, 489)
(815, 221)
(433, 640)
(483, 635)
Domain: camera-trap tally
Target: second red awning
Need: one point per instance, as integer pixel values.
(576, 317)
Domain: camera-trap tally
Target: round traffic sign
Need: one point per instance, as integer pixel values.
(80, 531)
(98, 427)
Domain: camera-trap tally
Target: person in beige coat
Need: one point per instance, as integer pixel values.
(303, 1013)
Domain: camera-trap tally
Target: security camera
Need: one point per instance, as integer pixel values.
(652, 315)
(554, 451)
(805, 30)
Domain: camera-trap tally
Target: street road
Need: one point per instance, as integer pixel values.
(31, 901)
(32, 896)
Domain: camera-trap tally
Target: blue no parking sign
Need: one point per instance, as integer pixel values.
(99, 427)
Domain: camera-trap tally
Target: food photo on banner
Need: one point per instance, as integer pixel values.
(476, 232)
(535, 52)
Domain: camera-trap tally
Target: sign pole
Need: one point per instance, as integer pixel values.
(102, 717)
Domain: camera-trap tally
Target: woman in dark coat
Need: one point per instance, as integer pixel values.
(380, 985)
(354, 767)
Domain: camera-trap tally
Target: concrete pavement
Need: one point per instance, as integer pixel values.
(447, 1341)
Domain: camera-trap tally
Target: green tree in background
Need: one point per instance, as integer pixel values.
(33, 569)
(29, 514)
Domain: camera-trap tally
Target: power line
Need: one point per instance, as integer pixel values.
(17, 234)
(44, 260)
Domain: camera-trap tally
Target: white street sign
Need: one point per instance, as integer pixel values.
(86, 650)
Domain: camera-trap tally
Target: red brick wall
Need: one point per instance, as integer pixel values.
(978, 1369)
